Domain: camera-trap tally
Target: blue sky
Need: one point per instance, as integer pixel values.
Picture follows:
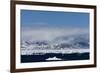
(33, 18)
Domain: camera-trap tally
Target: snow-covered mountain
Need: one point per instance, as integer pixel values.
(78, 41)
(73, 41)
(62, 44)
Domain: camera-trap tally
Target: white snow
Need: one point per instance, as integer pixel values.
(44, 51)
(53, 58)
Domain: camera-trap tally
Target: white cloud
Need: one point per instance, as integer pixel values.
(50, 33)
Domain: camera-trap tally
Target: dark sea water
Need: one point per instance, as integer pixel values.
(63, 57)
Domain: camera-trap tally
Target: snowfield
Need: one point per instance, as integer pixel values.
(44, 51)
